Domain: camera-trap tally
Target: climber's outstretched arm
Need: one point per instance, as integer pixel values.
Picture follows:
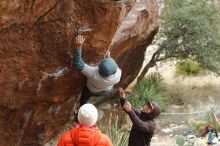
(86, 69)
(77, 57)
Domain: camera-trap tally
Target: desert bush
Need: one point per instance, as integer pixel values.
(152, 88)
(118, 135)
(188, 67)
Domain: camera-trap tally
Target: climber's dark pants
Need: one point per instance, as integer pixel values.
(86, 95)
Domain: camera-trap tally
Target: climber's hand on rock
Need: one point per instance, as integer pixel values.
(79, 41)
(108, 54)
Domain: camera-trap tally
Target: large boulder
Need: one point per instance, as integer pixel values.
(38, 82)
(133, 36)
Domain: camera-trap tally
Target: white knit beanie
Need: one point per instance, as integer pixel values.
(87, 115)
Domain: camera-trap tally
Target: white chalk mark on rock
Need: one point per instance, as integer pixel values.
(57, 74)
(21, 83)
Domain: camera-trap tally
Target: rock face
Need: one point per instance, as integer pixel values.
(38, 83)
(133, 36)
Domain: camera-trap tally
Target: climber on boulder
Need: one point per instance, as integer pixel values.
(101, 78)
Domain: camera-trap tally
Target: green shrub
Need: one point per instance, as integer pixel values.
(150, 88)
(189, 67)
(118, 136)
(198, 125)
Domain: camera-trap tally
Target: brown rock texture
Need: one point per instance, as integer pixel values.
(133, 36)
(38, 83)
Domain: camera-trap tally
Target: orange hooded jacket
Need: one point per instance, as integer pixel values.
(84, 136)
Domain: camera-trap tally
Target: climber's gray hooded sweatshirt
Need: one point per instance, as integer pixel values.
(99, 78)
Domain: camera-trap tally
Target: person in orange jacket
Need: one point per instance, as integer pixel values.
(85, 133)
